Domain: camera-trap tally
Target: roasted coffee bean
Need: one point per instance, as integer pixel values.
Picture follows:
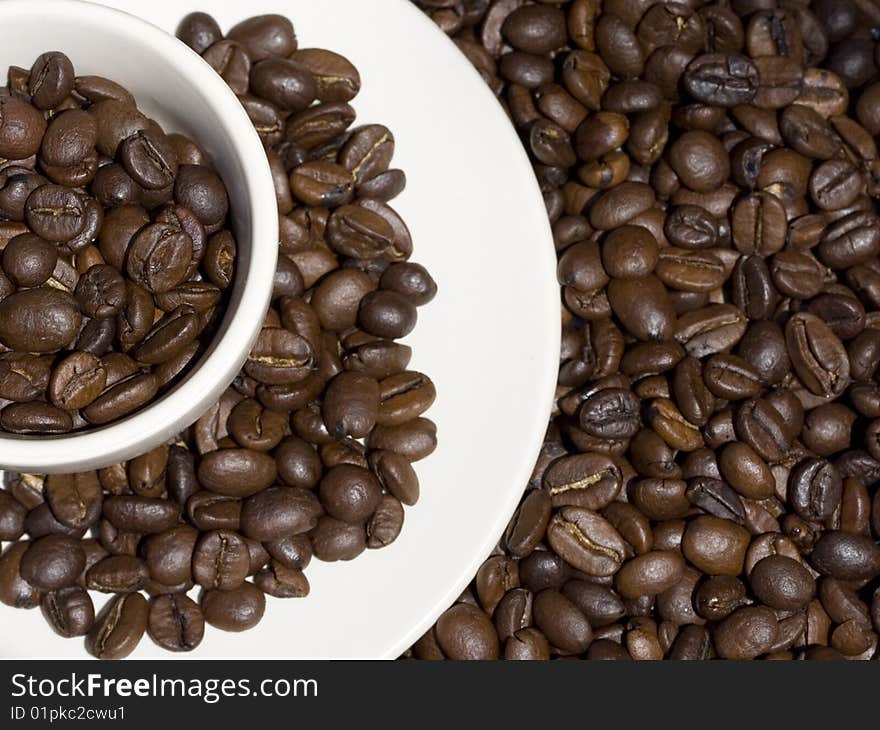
(815, 489)
(723, 79)
(465, 632)
(69, 611)
(75, 499)
(77, 381)
(846, 556)
(719, 596)
(237, 472)
(122, 398)
(587, 541)
(611, 413)
(39, 320)
(649, 574)
(716, 498)
(763, 428)
(282, 582)
(220, 561)
(118, 574)
(168, 555)
(15, 590)
(52, 562)
(731, 377)
(119, 627)
(21, 129)
(140, 514)
(714, 545)
(747, 633)
(29, 261)
(280, 512)
(590, 481)
(238, 609)
(562, 622)
(337, 80)
(817, 355)
(176, 623)
(746, 471)
(334, 540)
(783, 583)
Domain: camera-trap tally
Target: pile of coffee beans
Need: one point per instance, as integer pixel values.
(310, 451)
(708, 486)
(116, 256)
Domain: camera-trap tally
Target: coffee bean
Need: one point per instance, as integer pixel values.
(714, 545)
(52, 562)
(140, 514)
(747, 633)
(119, 627)
(22, 127)
(176, 623)
(723, 79)
(649, 574)
(265, 35)
(562, 622)
(590, 481)
(586, 541)
(783, 583)
(815, 489)
(69, 611)
(15, 590)
(39, 320)
(846, 556)
(117, 574)
(75, 499)
(238, 609)
(611, 413)
(334, 540)
(237, 472)
(465, 632)
(220, 561)
(818, 357)
(280, 512)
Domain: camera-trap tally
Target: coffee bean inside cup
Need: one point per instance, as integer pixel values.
(107, 233)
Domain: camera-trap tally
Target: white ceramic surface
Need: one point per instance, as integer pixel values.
(490, 339)
(173, 85)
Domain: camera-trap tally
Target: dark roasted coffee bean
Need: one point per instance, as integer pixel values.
(846, 556)
(118, 574)
(586, 541)
(237, 472)
(716, 498)
(168, 555)
(783, 583)
(238, 609)
(815, 489)
(746, 633)
(722, 79)
(280, 512)
(817, 355)
(39, 320)
(611, 413)
(52, 562)
(15, 590)
(75, 499)
(176, 623)
(69, 611)
(220, 561)
(140, 514)
(119, 627)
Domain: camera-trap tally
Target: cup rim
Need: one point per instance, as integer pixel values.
(174, 411)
